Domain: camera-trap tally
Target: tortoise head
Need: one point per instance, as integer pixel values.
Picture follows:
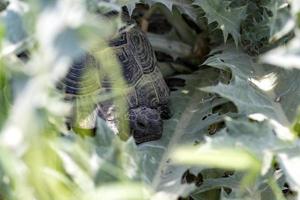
(146, 124)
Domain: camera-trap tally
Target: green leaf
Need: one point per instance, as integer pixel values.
(192, 115)
(228, 18)
(116, 191)
(170, 3)
(52, 167)
(296, 125)
(240, 88)
(289, 161)
(264, 90)
(174, 48)
(6, 93)
(248, 142)
(280, 21)
(256, 88)
(265, 25)
(224, 158)
(287, 56)
(232, 182)
(243, 145)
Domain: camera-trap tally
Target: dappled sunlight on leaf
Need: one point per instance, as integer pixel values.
(265, 83)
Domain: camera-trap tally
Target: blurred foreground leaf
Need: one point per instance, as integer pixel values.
(221, 158)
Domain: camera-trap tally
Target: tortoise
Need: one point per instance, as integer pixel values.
(149, 95)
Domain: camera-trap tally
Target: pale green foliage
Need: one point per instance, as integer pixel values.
(285, 56)
(30, 146)
(254, 90)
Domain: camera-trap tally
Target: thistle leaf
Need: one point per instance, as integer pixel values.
(228, 19)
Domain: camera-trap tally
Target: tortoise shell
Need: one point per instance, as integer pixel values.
(148, 96)
(140, 70)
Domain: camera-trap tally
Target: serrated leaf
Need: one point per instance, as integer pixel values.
(228, 19)
(190, 106)
(242, 145)
(184, 5)
(254, 92)
(170, 3)
(279, 20)
(252, 102)
(268, 22)
(240, 138)
(246, 96)
(232, 182)
(256, 88)
(287, 56)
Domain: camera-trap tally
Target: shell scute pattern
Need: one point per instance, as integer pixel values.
(140, 70)
(141, 48)
(148, 92)
(161, 88)
(131, 69)
(80, 78)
